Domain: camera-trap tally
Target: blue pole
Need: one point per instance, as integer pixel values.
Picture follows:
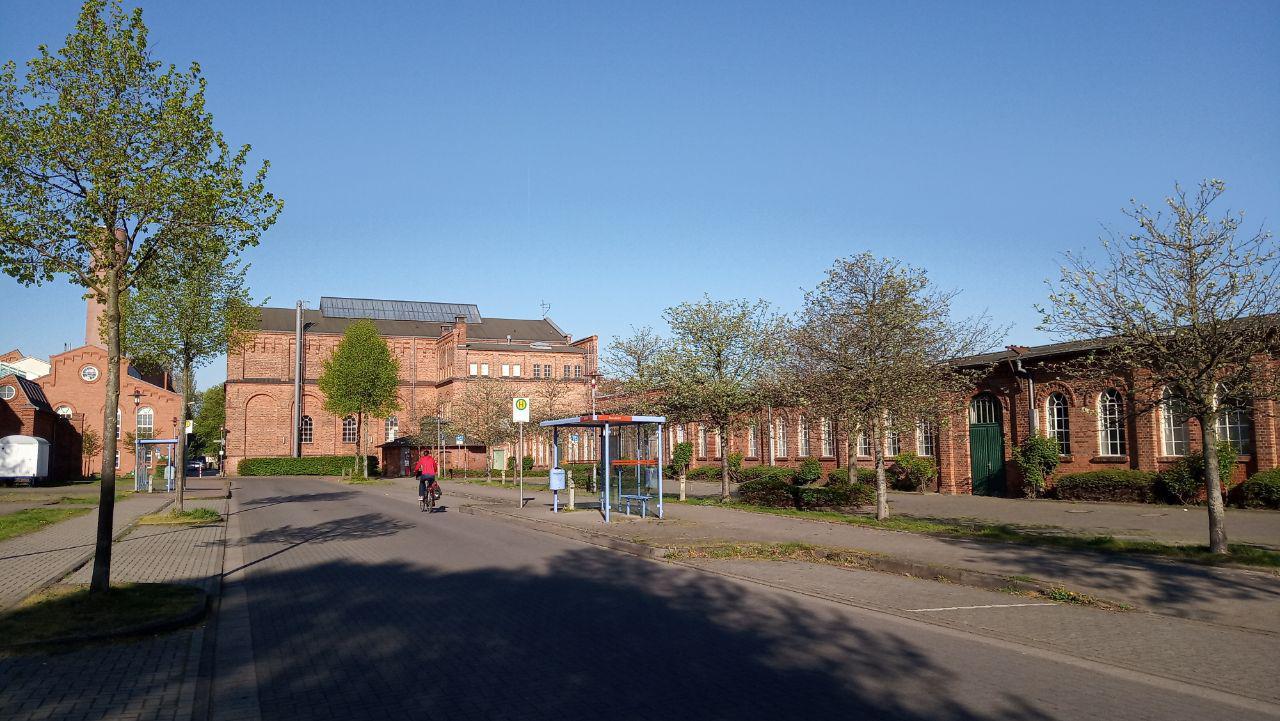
(608, 468)
(555, 463)
(660, 470)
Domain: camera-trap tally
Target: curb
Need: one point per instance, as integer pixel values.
(193, 613)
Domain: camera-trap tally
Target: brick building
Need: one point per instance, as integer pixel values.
(25, 411)
(1097, 423)
(440, 348)
(75, 389)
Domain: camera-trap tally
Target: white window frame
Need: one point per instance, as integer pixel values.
(702, 441)
(506, 370)
(1233, 424)
(828, 439)
(515, 369)
(753, 445)
(354, 429)
(1175, 441)
(1111, 435)
(1058, 427)
(392, 428)
(802, 438)
(474, 369)
(8, 392)
(90, 367)
(926, 440)
(149, 426)
(306, 430)
(780, 439)
(537, 370)
(864, 445)
(484, 369)
(577, 371)
(680, 433)
(64, 407)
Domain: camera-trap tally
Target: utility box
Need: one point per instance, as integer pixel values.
(556, 479)
(23, 458)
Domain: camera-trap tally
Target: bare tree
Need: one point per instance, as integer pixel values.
(1186, 305)
(873, 347)
(483, 412)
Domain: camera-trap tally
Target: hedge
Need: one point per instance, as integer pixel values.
(866, 476)
(767, 492)
(1125, 486)
(773, 473)
(1262, 490)
(305, 466)
(778, 493)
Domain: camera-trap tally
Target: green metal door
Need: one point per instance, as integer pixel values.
(986, 446)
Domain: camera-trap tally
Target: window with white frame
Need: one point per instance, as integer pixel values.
(7, 392)
(537, 370)
(64, 411)
(1175, 440)
(864, 445)
(780, 439)
(577, 371)
(828, 439)
(306, 433)
(515, 370)
(568, 371)
(1234, 424)
(717, 442)
(680, 433)
(348, 430)
(1111, 441)
(484, 369)
(474, 369)
(926, 439)
(393, 428)
(506, 370)
(802, 437)
(893, 443)
(702, 441)
(146, 423)
(1058, 422)
(752, 448)
(117, 428)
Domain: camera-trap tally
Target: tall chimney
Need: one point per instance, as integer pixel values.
(93, 322)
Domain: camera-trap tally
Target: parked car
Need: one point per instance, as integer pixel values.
(195, 468)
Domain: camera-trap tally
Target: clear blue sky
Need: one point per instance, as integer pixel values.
(615, 159)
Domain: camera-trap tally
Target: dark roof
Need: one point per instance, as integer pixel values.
(1034, 352)
(32, 390)
(526, 348)
(282, 320)
(374, 309)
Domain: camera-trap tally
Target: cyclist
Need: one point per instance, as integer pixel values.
(426, 470)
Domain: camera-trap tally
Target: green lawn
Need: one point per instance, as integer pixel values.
(1054, 536)
(33, 519)
(71, 610)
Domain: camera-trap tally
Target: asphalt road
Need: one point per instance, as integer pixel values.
(361, 607)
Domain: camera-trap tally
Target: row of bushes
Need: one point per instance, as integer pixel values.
(778, 493)
(908, 472)
(1261, 490)
(305, 466)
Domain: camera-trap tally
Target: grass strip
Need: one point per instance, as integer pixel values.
(192, 516)
(790, 551)
(1240, 553)
(70, 610)
(33, 519)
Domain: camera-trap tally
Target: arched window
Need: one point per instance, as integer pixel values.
(802, 437)
(828, 439)
(752, 448)
(1059, 423)
(65, 411)
(780, 439)
(7, 392)
(393, 428)
(349, 430)
(1111, 423)
(146, 425)
(864, 445)
(1234, 424)
(982, 410)
(1173, 424)
(307, 431)
(926, 439)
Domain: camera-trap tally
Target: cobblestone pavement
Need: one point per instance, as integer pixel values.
(151, 679)
(361, 607)
(1143, 521)
(36, 559)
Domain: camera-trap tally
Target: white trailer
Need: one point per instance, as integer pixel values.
(23, 458)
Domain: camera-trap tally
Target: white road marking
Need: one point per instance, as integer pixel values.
(964, 608)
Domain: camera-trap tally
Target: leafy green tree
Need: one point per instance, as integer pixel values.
(361, 378)
(1187, 304)
(109, 161)
(90, 444)
(211, 417)
(1037, 459)
(873, 346)
(681, 457)
(719, 355)
(193, 307)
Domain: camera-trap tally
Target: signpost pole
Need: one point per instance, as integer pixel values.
(520, 465)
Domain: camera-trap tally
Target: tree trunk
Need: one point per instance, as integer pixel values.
(364, 467)
(684, 477)
(724, 461)
(882, 494)
(101, 579)
(1213, 486)
(180, 472)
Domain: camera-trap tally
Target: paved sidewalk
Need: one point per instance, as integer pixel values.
(34, 560)
(1139, 521)
(149, 679)
(1230, 596)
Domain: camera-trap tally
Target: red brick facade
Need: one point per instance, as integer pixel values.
(435, 366)
(24, 411)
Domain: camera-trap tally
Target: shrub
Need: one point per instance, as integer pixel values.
(767, 492)
(912, 472)
(838, 495)
(735, 466)
(780, 473)
(810, 472)
(1184, 483)
(1262, 490)
(511, 465)
(527, 464)
(837, 475)
(1036, 458)
(581, 474)
(705, 473)
(304, 466)
(1125, 486)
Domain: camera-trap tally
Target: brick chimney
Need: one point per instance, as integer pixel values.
(460, 328)
(93, 322)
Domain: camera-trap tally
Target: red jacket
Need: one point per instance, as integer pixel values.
(426, 466)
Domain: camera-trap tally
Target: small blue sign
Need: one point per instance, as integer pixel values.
(459, 440)
(573, 437)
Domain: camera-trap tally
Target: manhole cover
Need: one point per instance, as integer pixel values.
(1153, 515)
(1082, 510)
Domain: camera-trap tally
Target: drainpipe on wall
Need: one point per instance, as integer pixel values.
(1032, 416)
(296, 448)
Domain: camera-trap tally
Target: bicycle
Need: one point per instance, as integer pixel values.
(428, 502)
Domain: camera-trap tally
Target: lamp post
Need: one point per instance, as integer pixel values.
(137, 460)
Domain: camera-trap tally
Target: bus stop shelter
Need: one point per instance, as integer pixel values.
(142, 471)
(630, 458)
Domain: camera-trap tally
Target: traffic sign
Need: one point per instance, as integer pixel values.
(459, 440)
(519, 410)
(573, 437)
